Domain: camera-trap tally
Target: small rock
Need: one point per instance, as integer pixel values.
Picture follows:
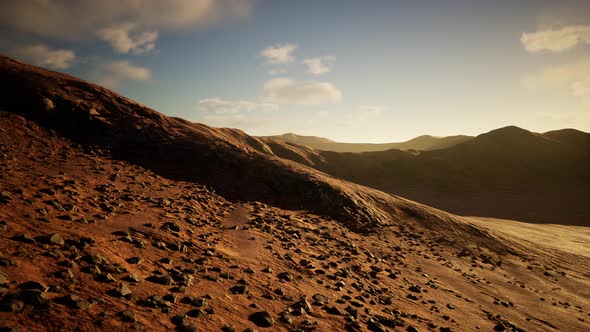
(127, 316)
(121, 291)
(161, 279)
(415, 289)
(3, 279)
(262, 319)
(134, 260)
(73, 301)
(239, 289)
(285, 276)
(33, 285)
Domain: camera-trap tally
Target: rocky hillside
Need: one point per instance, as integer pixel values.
(232, 162)
(104, 226)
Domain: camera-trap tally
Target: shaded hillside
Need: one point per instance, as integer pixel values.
(234, 164)
(425, 142)
(507, 173)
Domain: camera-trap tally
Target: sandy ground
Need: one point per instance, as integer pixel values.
(571, 239)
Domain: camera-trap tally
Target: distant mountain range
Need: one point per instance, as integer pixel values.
(507, 173)
(424, 142)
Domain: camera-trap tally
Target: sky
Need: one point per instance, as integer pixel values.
(351, 71)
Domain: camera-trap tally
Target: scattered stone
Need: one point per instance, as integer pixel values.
(239, 289)
(285, 276)
(33, 285)
(154, 301)
(195, 313)
(127, 316)
(319, 299)
(286, 317)
(134, 260)
(334, 310)
(74, 301)
(262, 319)
(121, 291)
(3, 279)
(132, 278)
(161, 279)
(105, 277)
(415, 289)
(178, 319)
(65, 274)
(51, 239)
(6, 262)
(95, 259)
(228, 328)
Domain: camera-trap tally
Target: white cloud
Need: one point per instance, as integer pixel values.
(222, 106)
(82, 18)
(113, 73)
(305, 93)
(125, 38)
(573, 76)
(42, 55)
(277, 71)
(556, 40)
(279, 54)
(555, 75)
(318, 66)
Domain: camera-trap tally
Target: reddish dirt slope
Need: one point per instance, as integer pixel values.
(189, 258)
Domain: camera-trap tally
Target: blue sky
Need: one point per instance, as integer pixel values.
(356, 71)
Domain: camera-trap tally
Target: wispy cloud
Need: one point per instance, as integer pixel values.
(82, 18)
(279, 54)
(319, 65)
(556, 40)
(222, 106)
(113, 73)
(42, 55)
(284, 90)
(125, 38)
(573, 76)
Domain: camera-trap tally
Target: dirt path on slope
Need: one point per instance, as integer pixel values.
(239, 242)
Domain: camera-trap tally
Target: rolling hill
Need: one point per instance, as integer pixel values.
(425, 142)
(507, 173)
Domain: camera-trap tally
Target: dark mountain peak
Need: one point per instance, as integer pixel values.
(509, 131)
(508, 138)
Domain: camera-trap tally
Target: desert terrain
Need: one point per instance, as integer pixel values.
(114, 217)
